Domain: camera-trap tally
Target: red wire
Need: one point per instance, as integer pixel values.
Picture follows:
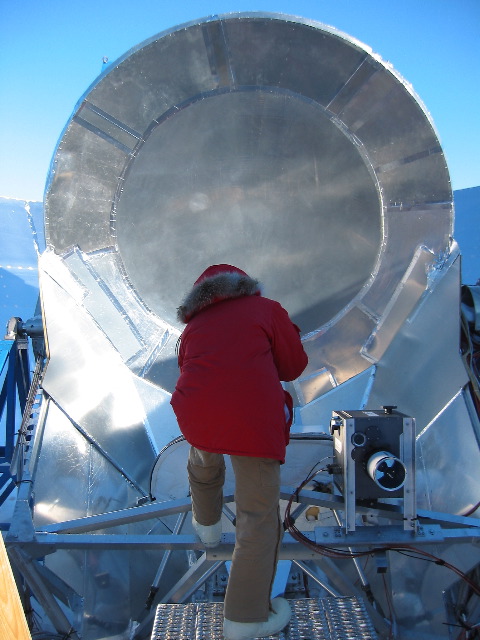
(389, 604)
(340, 553)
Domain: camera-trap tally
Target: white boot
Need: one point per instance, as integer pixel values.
(210, 535)
(277, 620)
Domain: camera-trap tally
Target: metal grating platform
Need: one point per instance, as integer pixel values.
(312, 619)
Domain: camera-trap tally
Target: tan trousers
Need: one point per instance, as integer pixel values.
(258, 526)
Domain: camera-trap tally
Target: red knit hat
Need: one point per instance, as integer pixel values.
(216, 269)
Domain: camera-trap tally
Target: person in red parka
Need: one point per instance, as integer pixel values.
(234, 352)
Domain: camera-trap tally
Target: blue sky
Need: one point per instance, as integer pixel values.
(51, 52)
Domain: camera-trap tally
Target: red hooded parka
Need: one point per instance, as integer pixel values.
(236, 348)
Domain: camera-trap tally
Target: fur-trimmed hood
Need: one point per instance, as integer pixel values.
(218, 282)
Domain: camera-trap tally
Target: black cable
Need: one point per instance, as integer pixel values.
(471, 511)
(176, 440)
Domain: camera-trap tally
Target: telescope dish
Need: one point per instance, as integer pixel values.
(261, 140)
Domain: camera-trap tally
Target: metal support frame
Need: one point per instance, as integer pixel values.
(366, 537)
(14, 369)
(306, 496)
(31, 573)
(431, 527)
(28, 545)
(25, 543)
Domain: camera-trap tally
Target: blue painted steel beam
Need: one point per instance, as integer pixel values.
(15, 373)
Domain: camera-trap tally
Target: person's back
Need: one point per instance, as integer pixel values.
(233, 354)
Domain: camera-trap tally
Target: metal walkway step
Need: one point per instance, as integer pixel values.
(312, 619)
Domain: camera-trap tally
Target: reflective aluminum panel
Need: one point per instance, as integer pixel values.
(270, 142)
